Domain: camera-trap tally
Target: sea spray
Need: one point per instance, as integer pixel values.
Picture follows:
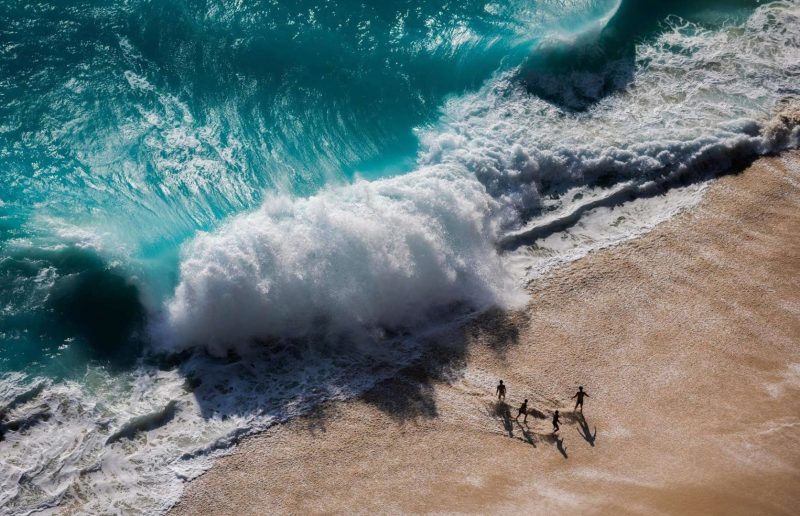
(347, 263)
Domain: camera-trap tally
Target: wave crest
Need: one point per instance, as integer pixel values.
(354, 261)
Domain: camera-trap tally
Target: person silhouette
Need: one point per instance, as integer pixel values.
(555, 422)
(523, 409)
(580, 395)
(501, 391)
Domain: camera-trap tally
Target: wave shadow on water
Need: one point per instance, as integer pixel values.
(576, 73)
(68, 306)
(397, 377)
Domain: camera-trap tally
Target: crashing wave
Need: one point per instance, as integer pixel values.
(395, 253)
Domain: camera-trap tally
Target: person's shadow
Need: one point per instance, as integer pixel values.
(527, 436)
(558, 441)
(502, 411)
(560, 446)
(584, 432)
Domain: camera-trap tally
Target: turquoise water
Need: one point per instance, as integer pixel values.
(126, 127)
(216, 215)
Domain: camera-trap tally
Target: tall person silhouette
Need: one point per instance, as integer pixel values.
(501, 391)
(579, 395)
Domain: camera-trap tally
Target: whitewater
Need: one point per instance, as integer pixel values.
(187, 262)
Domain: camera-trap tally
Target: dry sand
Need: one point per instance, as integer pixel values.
(687, 340)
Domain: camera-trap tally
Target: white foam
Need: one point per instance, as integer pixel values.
(601, 228)
(73, 457)
(356, 259)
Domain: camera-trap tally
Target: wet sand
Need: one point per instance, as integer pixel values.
(687, 340)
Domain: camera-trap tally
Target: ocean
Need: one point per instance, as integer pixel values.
(216, 215)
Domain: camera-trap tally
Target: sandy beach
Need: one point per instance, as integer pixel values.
(686, 339)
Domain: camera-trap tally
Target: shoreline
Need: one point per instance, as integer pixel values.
(686, 338)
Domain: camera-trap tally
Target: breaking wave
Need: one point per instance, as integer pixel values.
(500, 165)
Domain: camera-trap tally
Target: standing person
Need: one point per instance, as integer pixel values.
(501, 391)
(523, 409)
(580, 395)
(555, 422)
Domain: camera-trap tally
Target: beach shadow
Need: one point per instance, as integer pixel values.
(561, 447)
(568, 418)
(317, 422)
(408, 396)
(583, 430)
(497, 331)
(285, 378)
(501, 411)
(557, 441)
(527, 435)
(442, 361)
(538, 414)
